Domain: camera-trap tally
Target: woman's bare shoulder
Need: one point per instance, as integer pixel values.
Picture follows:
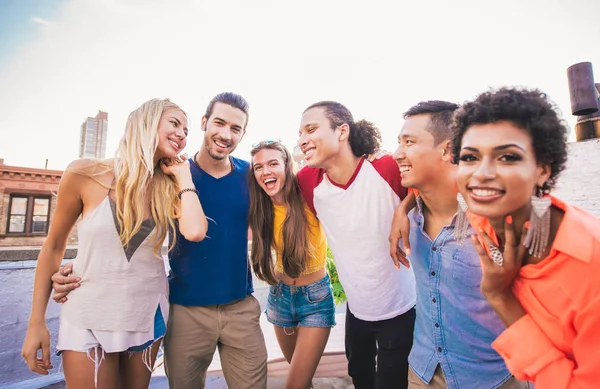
(88, 166)
(83, 172)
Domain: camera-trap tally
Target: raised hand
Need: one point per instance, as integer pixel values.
(177, 166)
(500, 272)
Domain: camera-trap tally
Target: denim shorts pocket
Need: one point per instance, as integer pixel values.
(316, 295)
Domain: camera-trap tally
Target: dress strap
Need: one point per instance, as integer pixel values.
(110, 187)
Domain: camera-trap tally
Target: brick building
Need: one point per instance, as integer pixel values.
(27, 204)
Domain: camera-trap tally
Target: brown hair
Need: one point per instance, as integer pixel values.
(296, 247)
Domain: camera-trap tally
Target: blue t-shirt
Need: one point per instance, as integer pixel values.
(215, 270)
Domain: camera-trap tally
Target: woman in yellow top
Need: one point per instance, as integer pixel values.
(300, 303)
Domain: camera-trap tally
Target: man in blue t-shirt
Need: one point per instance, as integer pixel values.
(211, 281)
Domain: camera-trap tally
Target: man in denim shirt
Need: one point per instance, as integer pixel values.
(455, 325)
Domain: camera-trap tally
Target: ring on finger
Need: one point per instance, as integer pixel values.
(496, 254)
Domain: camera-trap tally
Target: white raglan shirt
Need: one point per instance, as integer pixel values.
(357, 219)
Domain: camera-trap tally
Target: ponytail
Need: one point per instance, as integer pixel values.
(365, 138)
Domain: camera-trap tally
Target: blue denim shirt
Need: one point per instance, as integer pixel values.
(455, 325)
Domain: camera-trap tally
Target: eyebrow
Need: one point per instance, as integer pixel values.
(236, 126)
(179, 123)
(306, 126)
(269, 161)
(497, 148)
(409, 135)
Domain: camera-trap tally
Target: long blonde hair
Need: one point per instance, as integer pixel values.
(136, 175)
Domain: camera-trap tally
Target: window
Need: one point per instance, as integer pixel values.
(17, 215)
(41, 209)
(28, 214)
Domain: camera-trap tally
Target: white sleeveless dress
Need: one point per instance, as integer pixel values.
(123, 291)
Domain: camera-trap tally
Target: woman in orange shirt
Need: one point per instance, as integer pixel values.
(289, 252)
(540, 256)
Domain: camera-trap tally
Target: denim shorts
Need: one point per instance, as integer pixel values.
(308, 305)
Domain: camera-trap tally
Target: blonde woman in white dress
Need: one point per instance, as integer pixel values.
(112, 325)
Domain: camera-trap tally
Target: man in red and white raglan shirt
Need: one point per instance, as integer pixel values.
(355, 199)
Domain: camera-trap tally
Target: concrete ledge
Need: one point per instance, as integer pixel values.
(28, 253)
(48, 381)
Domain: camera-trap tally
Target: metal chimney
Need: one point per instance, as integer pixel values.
(585, 103)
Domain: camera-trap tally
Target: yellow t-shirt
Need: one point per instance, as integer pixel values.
(316, 238)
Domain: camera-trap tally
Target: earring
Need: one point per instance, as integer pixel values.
(462, 222)
(539, 226)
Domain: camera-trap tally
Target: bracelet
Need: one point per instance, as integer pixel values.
(187, 190)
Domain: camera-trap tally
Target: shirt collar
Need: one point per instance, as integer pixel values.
(420, 204)
(575, 237)
(577, 233)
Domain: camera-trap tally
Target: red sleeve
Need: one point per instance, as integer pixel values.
(387, 167)
(308, 179)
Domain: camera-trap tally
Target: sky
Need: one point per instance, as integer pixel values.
(64, 60)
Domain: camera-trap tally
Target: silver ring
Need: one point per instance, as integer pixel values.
(497, 256)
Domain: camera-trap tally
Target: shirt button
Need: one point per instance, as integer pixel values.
(433, 300)
(433, 273)
(434, 248)
(440, 349)
(437, 325)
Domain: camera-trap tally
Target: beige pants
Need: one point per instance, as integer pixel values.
(438, 381)
(193, 333)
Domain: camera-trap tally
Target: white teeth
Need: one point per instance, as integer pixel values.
(308, 153)
(223, 145)
(174, 144)
(485, 192)
(404, 169)
(268, 180)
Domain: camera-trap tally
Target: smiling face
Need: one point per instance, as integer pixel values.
(224, 130)
(268, 166)
(172, 134)
(417, 155)
(318, 141)
(498, 171)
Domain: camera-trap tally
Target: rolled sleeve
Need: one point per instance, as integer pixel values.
(530, 355)
(525, 349)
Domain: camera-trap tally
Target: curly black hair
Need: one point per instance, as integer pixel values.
(528, 109)
(364, 137)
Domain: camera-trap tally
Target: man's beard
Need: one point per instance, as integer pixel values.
(214, 155)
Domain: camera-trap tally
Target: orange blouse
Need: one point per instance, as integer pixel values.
(557, 343)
